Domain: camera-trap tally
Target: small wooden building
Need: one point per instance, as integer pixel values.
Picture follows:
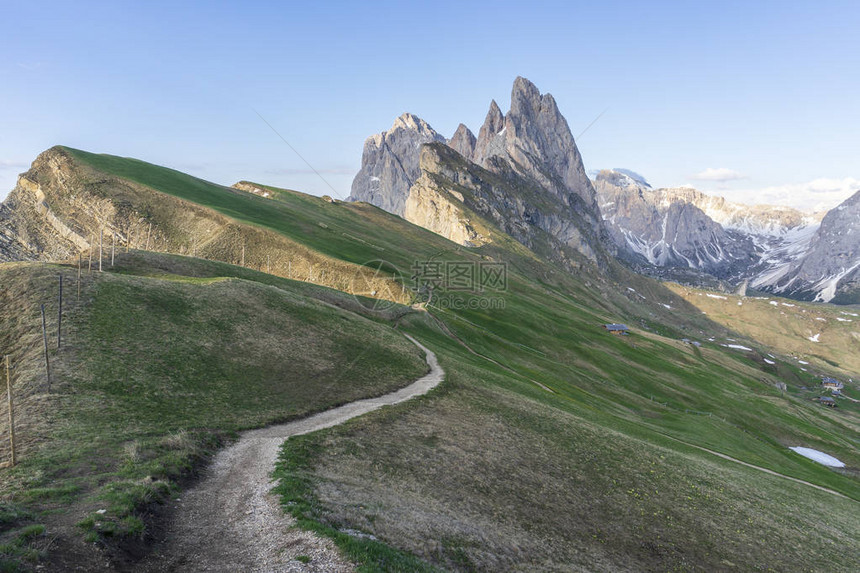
(617, 329)
(827, 401)
(831, 383)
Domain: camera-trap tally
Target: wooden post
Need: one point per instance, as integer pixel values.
(101, 246)
(90, 268)
(148, 235)
(60, 315)
(79, 276)
(243, 253)
(112, 248)
(290, 269)
(45, 339)
(11, 415)
(268, 269)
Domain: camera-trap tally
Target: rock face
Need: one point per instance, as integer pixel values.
(463, 142)
(665, 229)
(777, 249)
(535, 140)
(30, 228)
(830, 268)
(522, 172)
(463, 202)
(390, 163)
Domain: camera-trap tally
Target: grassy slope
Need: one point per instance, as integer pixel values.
(155, 371)
(501, 455)
(788, 325)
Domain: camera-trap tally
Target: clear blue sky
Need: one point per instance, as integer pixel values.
(765, 92)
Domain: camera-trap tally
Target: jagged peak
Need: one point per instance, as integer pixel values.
(412, 122)
(463, 141)
(495, 119)
(523, 90)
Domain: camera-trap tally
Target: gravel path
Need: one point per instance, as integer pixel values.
(231, 522)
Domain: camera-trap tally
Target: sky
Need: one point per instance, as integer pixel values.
(755, 101)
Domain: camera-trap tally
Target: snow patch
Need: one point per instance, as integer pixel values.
(840, 319)
(769, 361)
(774, 303)
(820, 457)
(814, 338)
(737, 346)
(716, 296)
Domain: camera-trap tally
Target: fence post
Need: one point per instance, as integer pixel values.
(45, 340)
(90, 267)
(11, 415)
(112, 248)
(60, 315)
(148, 235)
(79, 276)
(101, 245)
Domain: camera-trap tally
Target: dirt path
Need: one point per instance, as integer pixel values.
(230, 521)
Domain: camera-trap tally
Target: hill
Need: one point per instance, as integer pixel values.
(551, 444)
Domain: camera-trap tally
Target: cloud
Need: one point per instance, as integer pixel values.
(820, 194)
(718, 174)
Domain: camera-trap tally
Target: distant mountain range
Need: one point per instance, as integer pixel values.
(524, 172)
(776, 249)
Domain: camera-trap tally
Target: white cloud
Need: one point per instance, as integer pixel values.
(718, 174)
(820, 194)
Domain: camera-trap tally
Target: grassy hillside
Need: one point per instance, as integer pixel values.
(824, 335)
(155, 372)
(552, 445)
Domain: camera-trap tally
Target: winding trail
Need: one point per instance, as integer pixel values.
(231, 522)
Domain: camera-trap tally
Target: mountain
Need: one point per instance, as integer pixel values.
(523, 172)
(776, 249)
(829, 269)
(551, 444)
(389, 163)
(666, 229)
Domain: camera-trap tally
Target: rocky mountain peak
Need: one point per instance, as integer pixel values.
(537, 141)
(389, 163)
(491, 131)
(531, 144)
(412, 122)
(463, 142)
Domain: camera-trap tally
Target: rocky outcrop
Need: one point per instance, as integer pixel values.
(30, 228)
(830, 268)
(493, 125)
(390, 163)
(464, 201)
(537, 175)
(442, 211)
(463, 142)
(535, 141)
